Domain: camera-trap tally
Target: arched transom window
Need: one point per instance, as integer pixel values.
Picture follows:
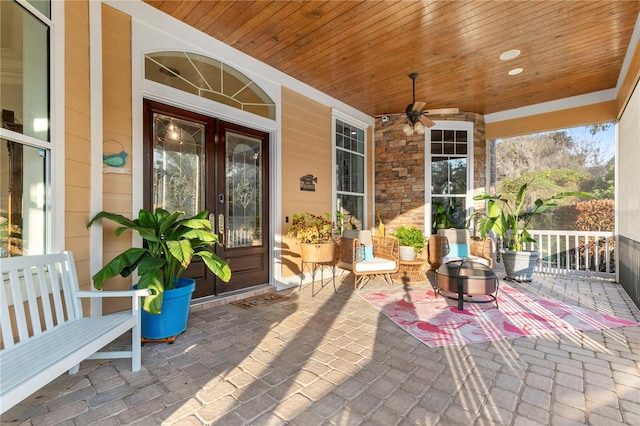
(210, 79)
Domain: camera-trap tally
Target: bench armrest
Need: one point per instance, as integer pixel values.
(121, 293)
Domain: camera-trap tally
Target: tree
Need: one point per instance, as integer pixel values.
(556, 162)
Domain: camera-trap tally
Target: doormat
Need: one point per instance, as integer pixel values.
(260, 300)
(436, 320)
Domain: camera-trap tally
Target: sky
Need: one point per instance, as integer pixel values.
(606, 138)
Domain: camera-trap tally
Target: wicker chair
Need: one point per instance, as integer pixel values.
(455, 244)
(364, 263)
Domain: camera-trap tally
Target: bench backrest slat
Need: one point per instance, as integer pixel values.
(46, 284)
(16, 291)
(33, 304)
(5, 319)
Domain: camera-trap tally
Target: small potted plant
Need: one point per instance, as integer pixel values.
(316, 235)
(509, 222)
(411, 241)
(171, 242)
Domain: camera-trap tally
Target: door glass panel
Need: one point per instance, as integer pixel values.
(178, 164)
(244, 191)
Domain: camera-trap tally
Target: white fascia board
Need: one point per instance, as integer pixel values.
(551, 106)
(143, 12)
(633, 45)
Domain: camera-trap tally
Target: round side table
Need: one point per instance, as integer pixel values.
(410, 272)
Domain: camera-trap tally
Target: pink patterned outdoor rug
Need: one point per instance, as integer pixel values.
(436, 321)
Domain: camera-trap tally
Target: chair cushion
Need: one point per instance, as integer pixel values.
(375, 264)
(458, 250)
(364, 236)
(368, 253)
(455, 236)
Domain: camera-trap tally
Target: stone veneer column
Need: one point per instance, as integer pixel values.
(400, 173)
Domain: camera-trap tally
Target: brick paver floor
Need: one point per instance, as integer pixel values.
(333, 359)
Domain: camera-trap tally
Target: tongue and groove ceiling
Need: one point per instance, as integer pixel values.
(361, 52)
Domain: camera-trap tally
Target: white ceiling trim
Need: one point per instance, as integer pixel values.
(552, 106)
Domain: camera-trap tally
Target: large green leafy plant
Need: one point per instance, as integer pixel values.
(411, 237)
(509, 221)
(171, 242)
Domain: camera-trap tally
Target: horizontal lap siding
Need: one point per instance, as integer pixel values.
(306, 149)
(117, 117)
(77, 137)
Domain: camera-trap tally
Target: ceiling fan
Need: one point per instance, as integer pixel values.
(414, 119)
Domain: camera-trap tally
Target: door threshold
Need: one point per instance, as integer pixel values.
(226, 298)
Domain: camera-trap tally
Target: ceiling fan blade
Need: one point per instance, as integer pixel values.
(441, 111)
(417, 106)
(397, 124)
(427, 121)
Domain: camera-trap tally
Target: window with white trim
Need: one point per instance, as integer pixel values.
(25, 137)
(350, 174)
(449, 180)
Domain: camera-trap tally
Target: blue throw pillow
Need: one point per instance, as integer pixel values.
(368, 252)
(458, 250)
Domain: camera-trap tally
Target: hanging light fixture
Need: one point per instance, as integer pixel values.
(410, 128)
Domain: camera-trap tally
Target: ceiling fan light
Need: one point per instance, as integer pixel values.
(419, 128)
(407, 129)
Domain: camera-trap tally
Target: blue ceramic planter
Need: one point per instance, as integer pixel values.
(175, 312)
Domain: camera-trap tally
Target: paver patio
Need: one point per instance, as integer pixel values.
(334, 359)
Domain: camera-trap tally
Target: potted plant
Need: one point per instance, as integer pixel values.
(411, 241)
(442, 216)
(316, 236)
(509, 223)
(171, 242)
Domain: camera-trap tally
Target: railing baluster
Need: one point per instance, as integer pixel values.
(566, 247)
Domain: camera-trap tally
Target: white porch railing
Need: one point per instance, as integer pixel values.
(563, 252)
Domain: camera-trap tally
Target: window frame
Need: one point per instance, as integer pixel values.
(54, 229)
(468, 196)
(346, 119)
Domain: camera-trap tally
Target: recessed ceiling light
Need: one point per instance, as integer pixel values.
(515, 71)
(510, 54)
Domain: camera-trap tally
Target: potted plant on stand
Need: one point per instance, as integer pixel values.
(411, 241)
(509, 223)
(171, 242)
(316, 236)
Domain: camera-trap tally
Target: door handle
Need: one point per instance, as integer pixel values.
(221, 228)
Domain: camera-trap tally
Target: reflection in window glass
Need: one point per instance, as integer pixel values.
(449, 176)
(44, 6)
(352, 207)
(24, 97)
(244, 191)
(22, 199)
(178, 164)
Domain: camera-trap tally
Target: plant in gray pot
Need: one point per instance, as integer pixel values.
(509, 223)
(411, 241)
(170, 244)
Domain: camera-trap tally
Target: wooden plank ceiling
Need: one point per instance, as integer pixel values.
(361, 52)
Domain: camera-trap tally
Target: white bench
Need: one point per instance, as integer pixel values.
(44, 337)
